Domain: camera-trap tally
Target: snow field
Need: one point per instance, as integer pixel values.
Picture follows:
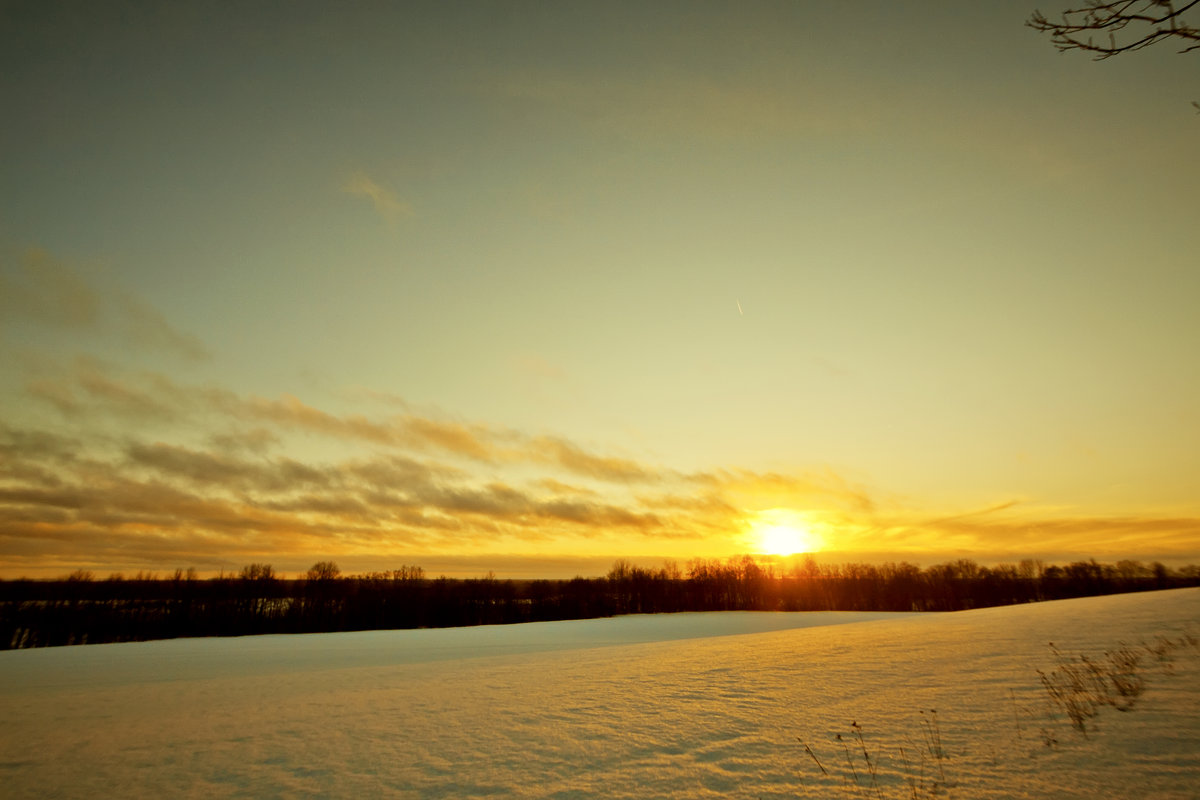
(692, 705)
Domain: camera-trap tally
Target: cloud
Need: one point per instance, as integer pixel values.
(290, 411)
(207, 474)
(149, 493)
(134, 401)
(974, 514)
(686, 108)
(209, 469)
(559, 488)
(471, 441)
(574, 459)
(56, 393)
(538, 367)
(254, 440)
(761, 104)
(46, 291)
(16, 443)
(91, 386)
(1029, 529)
(387, 205)
(823, 488)
(142, 324)
(237, 484)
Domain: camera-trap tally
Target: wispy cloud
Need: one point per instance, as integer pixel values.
(538, 367)
(662, 106)
(210, 471)
(87, 386)
(575, 459)
(150, 493)
(143, 324)
(412, 483)
(44, 290)
(90, 387)
(762, 104)
(390, 207)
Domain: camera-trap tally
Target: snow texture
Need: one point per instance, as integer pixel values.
(683, 705)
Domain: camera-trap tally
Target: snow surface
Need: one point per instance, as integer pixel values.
(682, 705)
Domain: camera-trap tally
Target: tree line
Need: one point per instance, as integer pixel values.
(79, 609)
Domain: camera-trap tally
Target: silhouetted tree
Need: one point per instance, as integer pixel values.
(256, 598)
(258, 572)
(322, 600)
(1123, 25)
(323, 571)
(76, 609)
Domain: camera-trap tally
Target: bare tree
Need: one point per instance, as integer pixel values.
(258, 572)
(323, 571)
(1123, 26)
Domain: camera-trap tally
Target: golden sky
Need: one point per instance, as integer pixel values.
(531, 287)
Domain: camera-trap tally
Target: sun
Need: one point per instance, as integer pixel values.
(783, 532)
(781, 540)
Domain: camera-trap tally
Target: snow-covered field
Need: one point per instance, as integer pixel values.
(688, 705)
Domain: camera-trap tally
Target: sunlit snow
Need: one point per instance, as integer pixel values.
(686, 705)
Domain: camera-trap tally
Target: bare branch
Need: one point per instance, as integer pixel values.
(1129, 25)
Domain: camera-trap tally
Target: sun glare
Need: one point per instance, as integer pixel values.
(782, 532)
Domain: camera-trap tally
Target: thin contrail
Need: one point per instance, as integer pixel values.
(739, 302)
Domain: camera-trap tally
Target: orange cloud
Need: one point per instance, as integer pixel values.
(470, 441)
(56, 490)
(558, 451)
(94, 387)
(227, 488)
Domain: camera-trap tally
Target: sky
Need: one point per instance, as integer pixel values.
(529, 287)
